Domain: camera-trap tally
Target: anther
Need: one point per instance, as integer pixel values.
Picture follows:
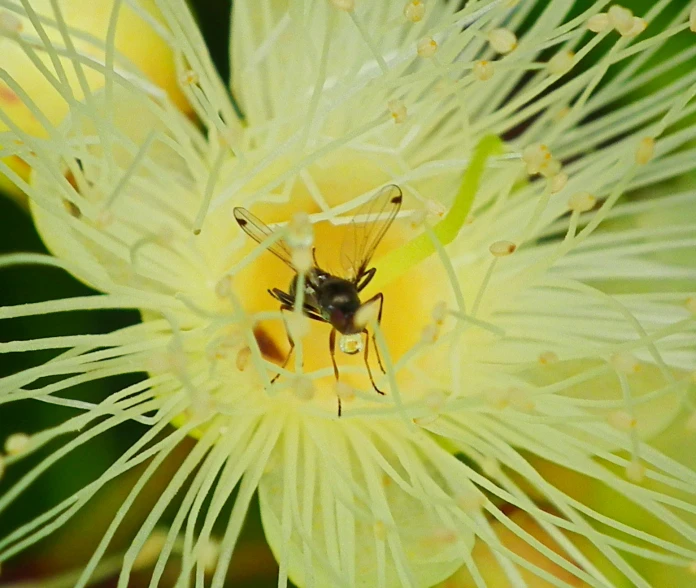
(304, 388)
(690, 305)
(547, 358)
(502, 40)
(344, 391)
(598, 23)
(502, 248)
(72, 208)
(558, 182)
(635, 471)
(483, 70)
(625, 363)
(622, 421)
(414, 11)
(692, 19)
(243, 357)
(398, 110)
(16, 443)
(639, 25)
(9, 23)
(621, 19)
(189, 78)
(440, 312)
(582, 202)
(345, 5)
(561, 63)
(645, 151)
(535, 156)
(426, 47)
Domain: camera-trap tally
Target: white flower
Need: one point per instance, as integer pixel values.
(534, 315)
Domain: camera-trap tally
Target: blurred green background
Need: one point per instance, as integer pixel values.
(253, 564)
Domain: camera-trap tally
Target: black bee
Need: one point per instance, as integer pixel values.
(329, 298)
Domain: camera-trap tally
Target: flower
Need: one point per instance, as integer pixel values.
(538, 318)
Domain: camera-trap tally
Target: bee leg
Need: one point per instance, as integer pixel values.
(367, 363)
(290, 340)
(332, 350)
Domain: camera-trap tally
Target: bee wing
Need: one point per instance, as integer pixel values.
(368, 227)
(260, 232)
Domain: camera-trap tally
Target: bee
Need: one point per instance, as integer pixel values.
(330, 298)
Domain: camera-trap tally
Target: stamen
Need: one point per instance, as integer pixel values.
(10, 25)
(692, 19)
(483, 70)
(426, 47)
(398, 110)
(16, 443)
(561, 63)
(599, 23)
(502, 40)
(582, 202)
(645, 151)
(621, 19)
(414, 11)
(304, 388)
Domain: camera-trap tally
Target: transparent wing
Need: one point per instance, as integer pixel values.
(260, 231)
(369, 225)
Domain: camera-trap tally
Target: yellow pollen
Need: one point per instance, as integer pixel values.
(635, 472)
(414, 11)
(558, 182)
(9, 23)
(380, 530)
(621, 19)
(582, 202)
(691, 307)
(304, 388)
(16, 443)
(622, 420)
(426, 47)
(483, 70)
(502, 248)
(692, 19)
(639, 25)
(345, 5)
(398, 110)
(625, 363)
(189, 78)
(502, 40)
(645, 151)
(243, 357)
(598, 23)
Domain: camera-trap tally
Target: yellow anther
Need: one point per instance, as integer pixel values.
(414, 11)
(535, 156)
(645, 151)
(598, 23)
(398, 110)
(189, 78)
(639, 25)
(547, 358)
(621, 19)
(243, 357)
(16, 443)
(625, 363)
(622, 420)
(502, 40)
(9, 23)
(582, 202)
(502, 248)
(558, 182)
(561, 63)
(483, 70)
(692, 19)
(426, 47)
(345, 5)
